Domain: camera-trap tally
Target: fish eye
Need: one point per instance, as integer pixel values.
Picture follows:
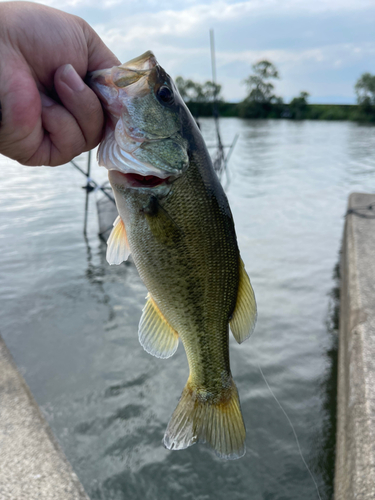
(165, 95)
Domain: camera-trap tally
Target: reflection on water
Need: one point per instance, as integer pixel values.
(70, 319)
(327, 452)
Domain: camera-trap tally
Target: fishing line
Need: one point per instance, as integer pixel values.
(294, 432)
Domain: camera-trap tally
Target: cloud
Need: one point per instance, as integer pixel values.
(180, 41)
(331, 55)
(220, 9)
(315, 45)
(259, 25)
(184, 22)
(70, 5)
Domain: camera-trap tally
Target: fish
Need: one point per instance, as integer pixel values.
(175, 221)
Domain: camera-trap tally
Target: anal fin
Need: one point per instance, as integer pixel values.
(244, 317)
(156, 335)
(118, 249)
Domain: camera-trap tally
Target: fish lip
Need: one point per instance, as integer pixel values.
(142, 168)
(98, 80)
(134, 180)
(150, 171)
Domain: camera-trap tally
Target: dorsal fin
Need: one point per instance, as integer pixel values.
(244, 317)
(118, 248)
(156, 335)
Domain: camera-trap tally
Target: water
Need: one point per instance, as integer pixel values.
(70, 320)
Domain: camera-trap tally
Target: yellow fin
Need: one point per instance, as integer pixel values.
(220, 424)
(244, 317)
(118, 246)
(156, 335)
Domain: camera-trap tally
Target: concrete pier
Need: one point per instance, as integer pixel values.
(355, 448)
(32, 465)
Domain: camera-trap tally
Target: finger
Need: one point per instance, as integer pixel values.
(71, 128)
(20, 129)
(63, 138)
(82, 103)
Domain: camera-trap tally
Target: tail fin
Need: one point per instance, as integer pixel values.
(220, 424)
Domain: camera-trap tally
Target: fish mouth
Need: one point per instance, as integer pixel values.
(130, 77)
(136, 181)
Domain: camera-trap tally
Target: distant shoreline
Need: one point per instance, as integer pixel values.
(328, 112)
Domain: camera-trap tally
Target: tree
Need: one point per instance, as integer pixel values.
(259, 87)
(261, 101)
(188, 89)
(365, 90)
(211, 91)
(298, 106)
(191, 91)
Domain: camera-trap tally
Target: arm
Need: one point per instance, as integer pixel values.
(49, 115)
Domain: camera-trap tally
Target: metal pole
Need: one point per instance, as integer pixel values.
(213, 64)
(93, 182)
(229, 154)
(232, 147)
(87, 192)
(213, 68)
(221, 156)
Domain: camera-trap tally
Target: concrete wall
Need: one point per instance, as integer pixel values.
(32, 465)
(355, 448)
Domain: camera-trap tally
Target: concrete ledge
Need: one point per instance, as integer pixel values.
(355, 448)
(32, 465)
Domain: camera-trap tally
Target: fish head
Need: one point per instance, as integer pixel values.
(143, 139)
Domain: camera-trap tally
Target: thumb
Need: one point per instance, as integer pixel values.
(82, 103)
(73, 127)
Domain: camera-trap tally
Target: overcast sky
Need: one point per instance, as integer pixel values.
(320, 46)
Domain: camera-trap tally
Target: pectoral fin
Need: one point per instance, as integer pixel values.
(156, 335)
(244, 317)
(118, 246)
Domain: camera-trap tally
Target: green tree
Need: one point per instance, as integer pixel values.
(211, 91)
(187, 88)
(259, 87)
(365, 90)
(191, 91)
(298, 106)
(261, 102)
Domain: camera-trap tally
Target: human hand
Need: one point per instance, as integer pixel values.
(49, 115)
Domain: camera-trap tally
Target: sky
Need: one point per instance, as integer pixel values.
(318, 46)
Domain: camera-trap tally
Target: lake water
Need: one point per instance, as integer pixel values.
(70, 320)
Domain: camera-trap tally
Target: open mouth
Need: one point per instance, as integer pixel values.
(136, 180)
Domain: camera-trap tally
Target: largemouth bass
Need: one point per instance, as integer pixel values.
(175, 220)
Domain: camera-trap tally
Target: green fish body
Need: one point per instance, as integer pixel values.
(178, 226)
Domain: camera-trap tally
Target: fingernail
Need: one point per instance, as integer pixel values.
(46, 101)
(72, 78)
